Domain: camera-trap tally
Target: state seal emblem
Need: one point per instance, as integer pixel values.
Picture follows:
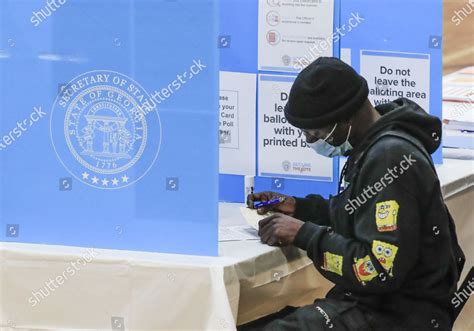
(105, 129)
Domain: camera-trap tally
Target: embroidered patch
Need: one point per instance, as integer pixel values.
(333, 263)
(386, 215)
(386, 254)
(364, 269)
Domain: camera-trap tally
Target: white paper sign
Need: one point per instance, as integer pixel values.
(283, 151)
(395, 75)
(237, 117)
(291, 30)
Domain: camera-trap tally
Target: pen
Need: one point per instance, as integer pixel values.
(268, 203)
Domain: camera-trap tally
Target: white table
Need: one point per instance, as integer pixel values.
(123, 290)
(455, 176)
(154, 291)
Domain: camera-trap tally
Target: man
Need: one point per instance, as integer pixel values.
(387, 240)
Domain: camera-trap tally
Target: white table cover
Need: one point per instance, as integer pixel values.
(124, 290)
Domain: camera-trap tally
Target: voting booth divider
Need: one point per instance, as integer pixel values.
(123, 126)
(109, 124)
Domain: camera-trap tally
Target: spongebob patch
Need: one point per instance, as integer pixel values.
(385, 253)
(364, 270)
(386, 213)
(333, 263)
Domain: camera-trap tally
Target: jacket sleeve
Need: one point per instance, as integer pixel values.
(385, 244)
(314, 208)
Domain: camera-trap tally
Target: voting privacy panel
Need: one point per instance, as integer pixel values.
(113, 121)
(102, 168)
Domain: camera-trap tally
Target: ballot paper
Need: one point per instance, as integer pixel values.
(237, 233)
(252, 217)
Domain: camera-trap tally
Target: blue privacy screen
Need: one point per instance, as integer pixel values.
(109, 124)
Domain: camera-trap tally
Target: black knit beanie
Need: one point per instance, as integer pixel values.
(325, 92)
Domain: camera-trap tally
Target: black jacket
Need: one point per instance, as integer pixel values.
(387, 241)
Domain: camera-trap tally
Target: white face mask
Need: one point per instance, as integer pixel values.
(322, 147)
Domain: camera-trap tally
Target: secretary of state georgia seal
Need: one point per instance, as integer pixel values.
(105, 129)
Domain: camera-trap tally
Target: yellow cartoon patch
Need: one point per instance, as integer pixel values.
(333, 263)
(386, 215)
(385, 253)
(364, 270)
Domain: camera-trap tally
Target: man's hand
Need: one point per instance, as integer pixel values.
(279, 229)
(287, 206)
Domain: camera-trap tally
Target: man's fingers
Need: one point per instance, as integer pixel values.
(273, 241)
(264, 210)
(269, 225)
(267, 233)
(252, 198)
(264, 237)
(269, 237)
(264, 229)
(267, 221)
(263, 224)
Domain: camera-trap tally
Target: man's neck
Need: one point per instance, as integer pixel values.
(363, 123)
